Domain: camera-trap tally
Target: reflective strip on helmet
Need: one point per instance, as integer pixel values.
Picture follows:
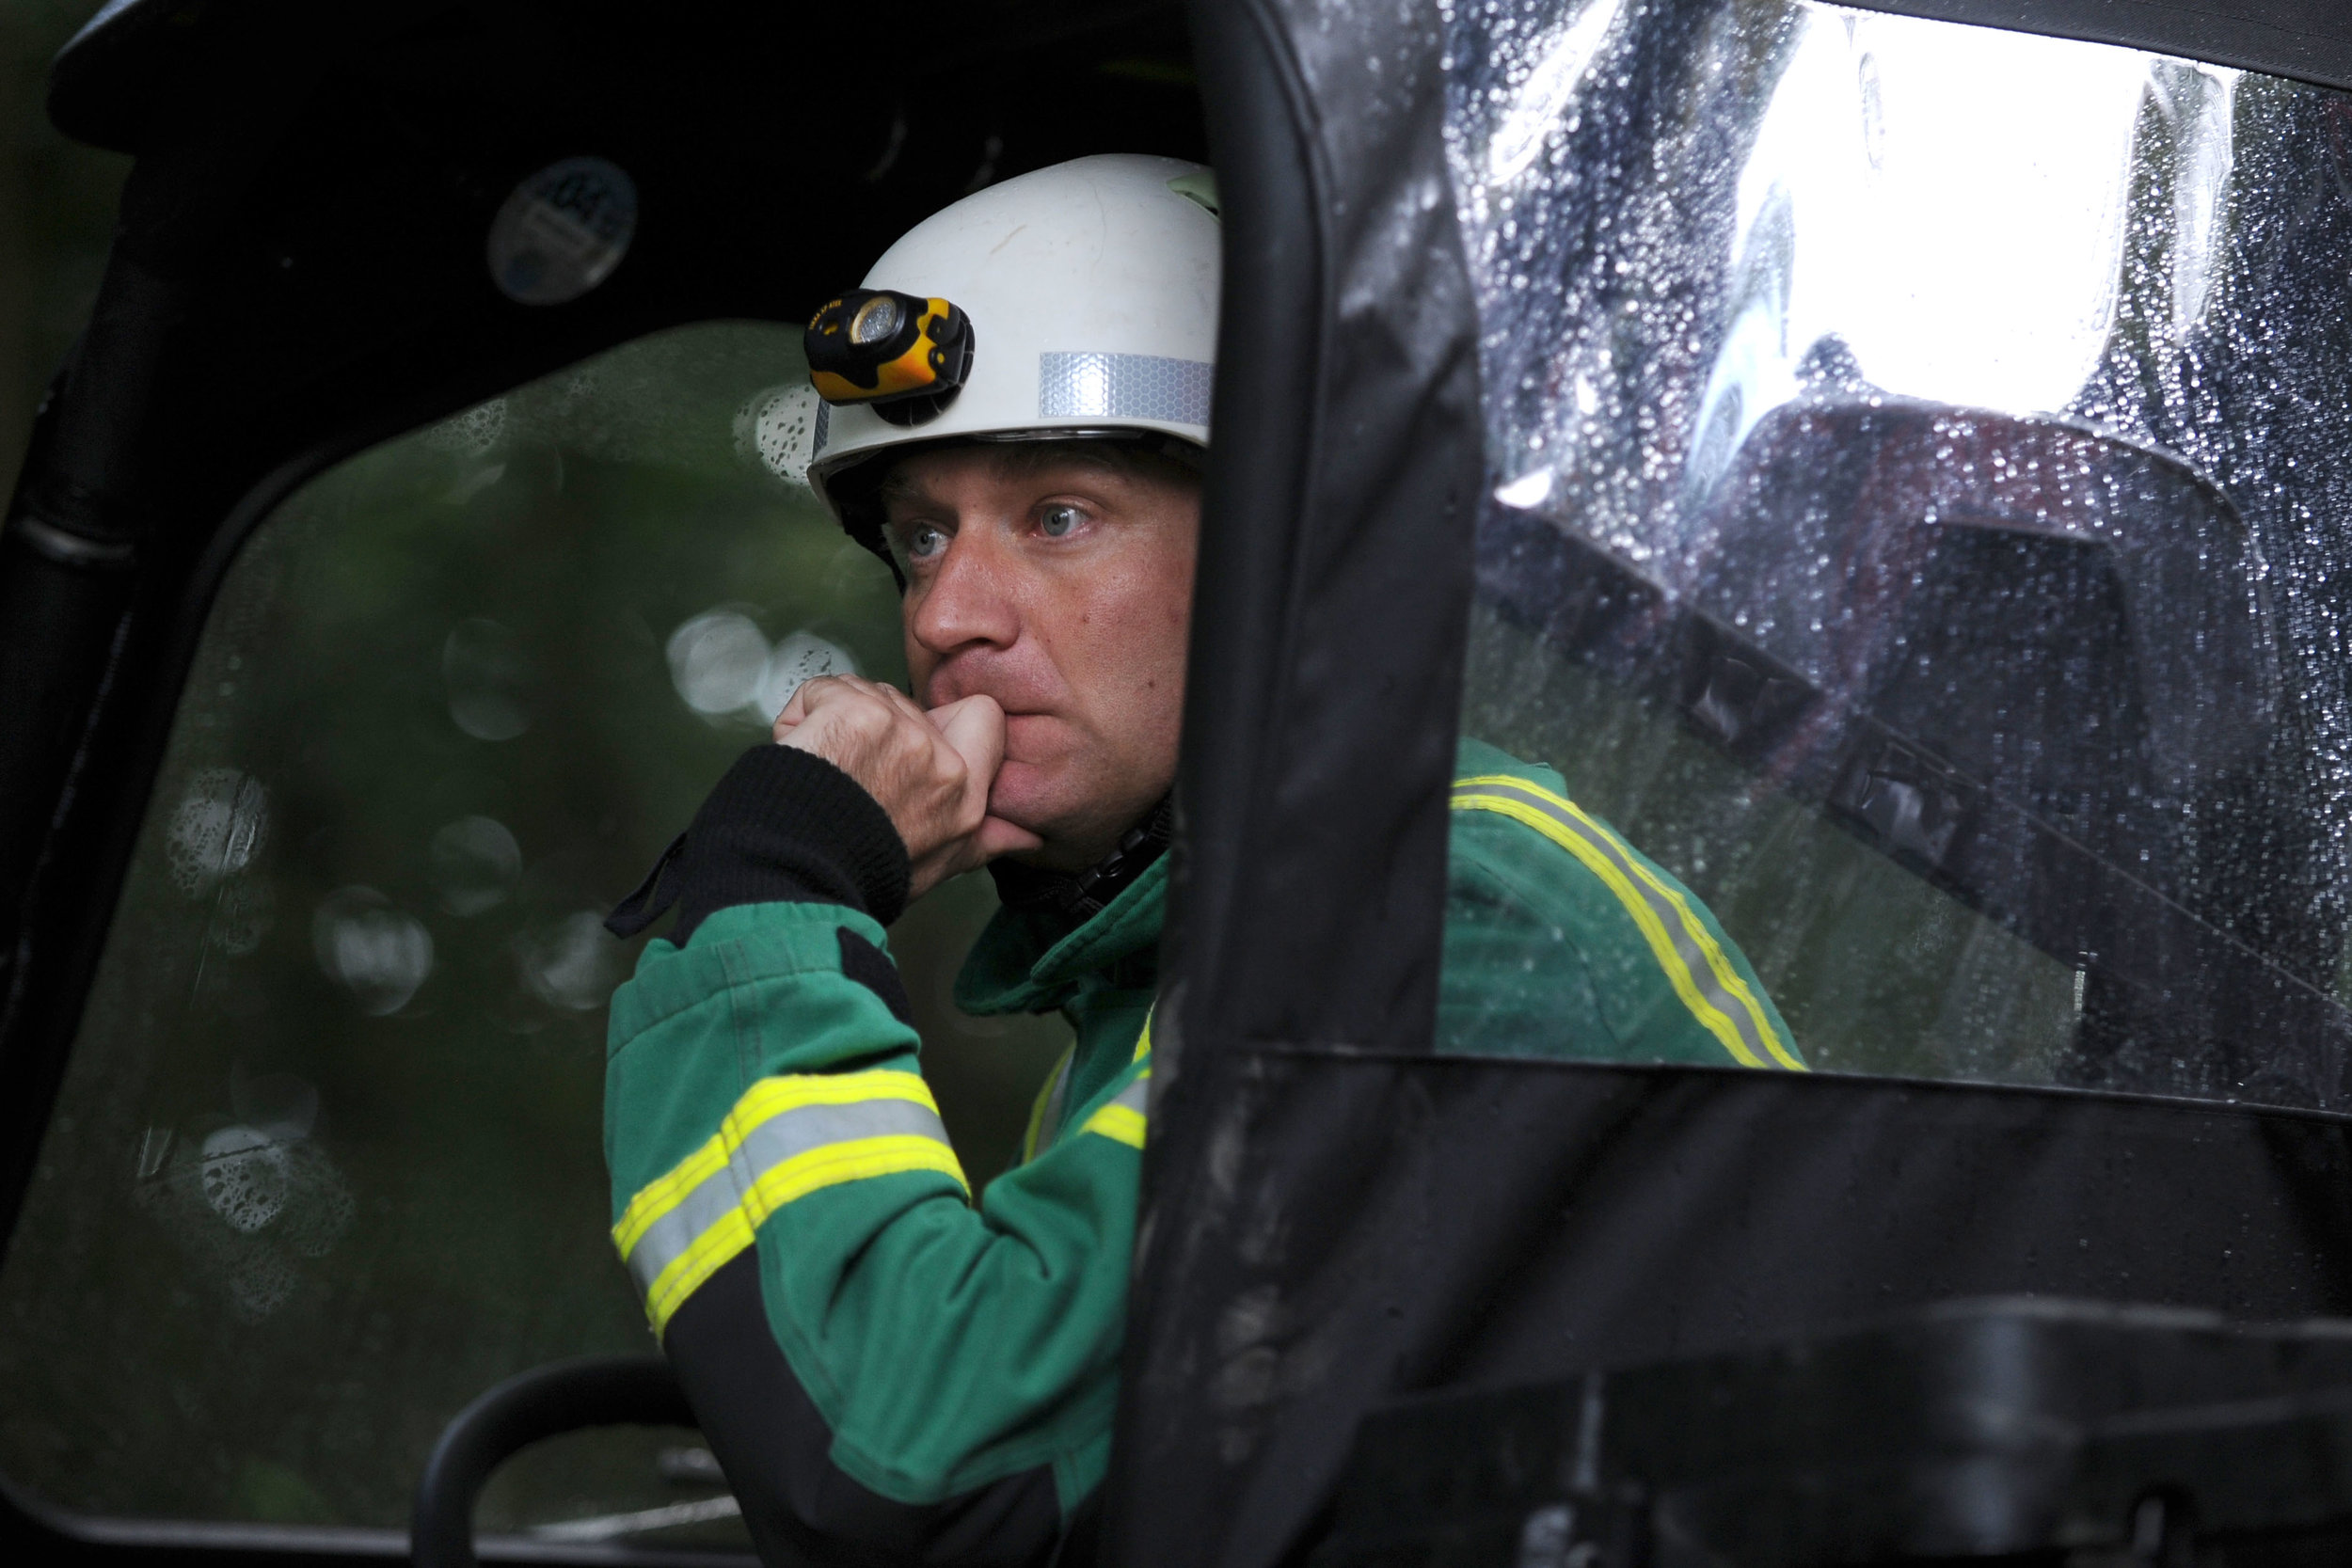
(1123, 386)
(1121, 1118)
(1694, 961)
(786, 1138)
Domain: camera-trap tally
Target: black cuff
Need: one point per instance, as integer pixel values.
(783, 826)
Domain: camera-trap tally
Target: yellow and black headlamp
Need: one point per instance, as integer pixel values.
(879, 347)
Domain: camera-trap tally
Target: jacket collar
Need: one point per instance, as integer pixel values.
(1032, 960)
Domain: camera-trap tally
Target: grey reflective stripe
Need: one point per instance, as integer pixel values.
(825, 428)
(1050, 1124)
(1123, 386)
(1136, 1097)
(779, 1138)
(1692, 958)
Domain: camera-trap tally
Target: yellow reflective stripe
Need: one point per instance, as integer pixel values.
(1046, 1116)
(1733, 1014)
(1121, 1118)
(785, 1138)
(666, 1194)
(1047, 1110)
(855, 1161)
(712, 1250)
(1119, 1124)
(1713, 1018)
(763, 1100)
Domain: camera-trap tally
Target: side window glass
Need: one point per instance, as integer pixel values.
(1912, 478)
(327, 1163)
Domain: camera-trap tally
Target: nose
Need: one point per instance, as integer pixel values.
(968, 602)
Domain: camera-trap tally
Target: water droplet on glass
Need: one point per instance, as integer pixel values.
(1527, 491)
(218, 827)
(246, 1202)
(473, 432)
(777, 429)
(245, 1177)
(801, 657)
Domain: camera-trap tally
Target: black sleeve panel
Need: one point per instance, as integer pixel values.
(870, 967)
(783, 826)
(776, 1452)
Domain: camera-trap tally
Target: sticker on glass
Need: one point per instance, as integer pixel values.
(563, 231)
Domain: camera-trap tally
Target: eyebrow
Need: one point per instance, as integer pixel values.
(1018, 459)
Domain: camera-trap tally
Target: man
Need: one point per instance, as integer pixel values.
(889, 1366)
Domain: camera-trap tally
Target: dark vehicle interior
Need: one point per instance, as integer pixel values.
(370, 615)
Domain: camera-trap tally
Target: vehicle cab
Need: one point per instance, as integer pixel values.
(1888, 459)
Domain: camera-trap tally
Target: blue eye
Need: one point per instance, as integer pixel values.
(1057, 521)
(924, 541)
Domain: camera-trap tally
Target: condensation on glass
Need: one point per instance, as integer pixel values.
(1921, 516)
(328, 1160)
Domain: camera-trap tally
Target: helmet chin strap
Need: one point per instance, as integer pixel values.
(1083, 894)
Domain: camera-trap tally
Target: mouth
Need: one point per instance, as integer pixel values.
(1017, 699)
(938, 694)
(1022, 732)
(1030, 698)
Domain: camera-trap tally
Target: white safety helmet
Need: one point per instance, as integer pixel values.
(1075, 301)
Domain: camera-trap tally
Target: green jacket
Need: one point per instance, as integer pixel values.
(948, 1357)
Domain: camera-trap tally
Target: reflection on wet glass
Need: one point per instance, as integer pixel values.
(724, 667)
(717, 661)
(1918, 516)
(242, 912)
(800, 658)
(380, 952)
(329, 1147)
(777, 428)
(570, 960)
(1546, 89)
(248, 1202)
(1977, 269)
(489, 676)
(475, 864)
(472, 434)
(218, 825)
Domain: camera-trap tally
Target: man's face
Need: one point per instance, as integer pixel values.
(1056, 579)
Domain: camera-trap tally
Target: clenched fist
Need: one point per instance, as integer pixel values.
(931, 771)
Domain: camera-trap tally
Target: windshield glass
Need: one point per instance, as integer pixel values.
(1921, 471)
(328, 1160)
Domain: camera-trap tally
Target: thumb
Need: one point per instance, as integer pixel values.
(975, 727)
(1000, 838)
(794, 713)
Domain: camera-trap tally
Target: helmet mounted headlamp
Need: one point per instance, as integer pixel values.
(900, 355)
